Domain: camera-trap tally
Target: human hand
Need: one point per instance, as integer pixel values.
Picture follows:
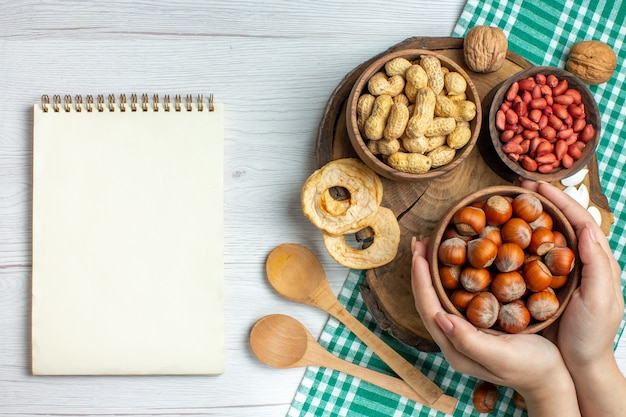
(586, 329)
(544, 381)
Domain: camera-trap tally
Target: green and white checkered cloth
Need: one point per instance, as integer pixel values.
(541, 32)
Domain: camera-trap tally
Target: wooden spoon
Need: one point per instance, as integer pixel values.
(283, 342)
(296, 274)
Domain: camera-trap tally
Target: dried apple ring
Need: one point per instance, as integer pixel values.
(382, 250)
(365, 191)
(334, 206)
(369, 174)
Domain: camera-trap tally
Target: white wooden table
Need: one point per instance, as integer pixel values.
(274, 64)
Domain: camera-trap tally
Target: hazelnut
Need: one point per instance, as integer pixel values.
(481, 252)
(509, 258)
(453, 252)
(498, 210)
(537, 275)
(558, 281)
(517, 231)
(461, 298)
(560, 260)
(451, 232)
(475, 279)
(541, 241)
(592, 61)
(483, 310)
(527, 207)
(542, 305)
(450, 276)
(508, 286)
(485, 397)
(559, 238)
(513, 317)
(485, 48)
(470, 221)
(492, 233)
(544, 220)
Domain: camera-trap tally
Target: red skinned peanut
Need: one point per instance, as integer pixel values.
(538, 103)
(528, 124)
(575, 94)
(569, 120)
(548, 158)
(535, 114)
(548, 132)
(549, 99)
(530, 134)
(576, 110)
(506, 135)
(520, 107)
(552, 80)
(565, 133)
(559, 111)
(587, 133)
(575, 152)
(534, 143)
(579, 124)
(527, 84)
(572, 139)
(525, 146)
(548, 111)
(560, 149)
(540, 78)
(513, 157)
(512, 92)
(528, 163)
(564, 99)
(511, 117)
(512, 147)
(500, 120)
(567, 161)
(560, 88)
(545, 168)
(544, 148)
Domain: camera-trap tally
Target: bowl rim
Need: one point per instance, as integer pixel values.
(591, 107)
(358, 142)
(560, 223)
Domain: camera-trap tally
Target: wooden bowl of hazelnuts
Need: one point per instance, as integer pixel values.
(506, 259)
(413, 115)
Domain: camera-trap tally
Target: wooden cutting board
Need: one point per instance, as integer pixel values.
(419, 206)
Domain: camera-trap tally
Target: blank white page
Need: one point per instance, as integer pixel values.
(127, 242)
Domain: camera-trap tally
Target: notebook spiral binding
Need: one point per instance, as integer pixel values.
(99, 104)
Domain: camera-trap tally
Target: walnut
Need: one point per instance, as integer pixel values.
(484, 48)
(592, 61)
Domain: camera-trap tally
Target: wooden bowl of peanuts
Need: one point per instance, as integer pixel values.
(413, 115)
(542, 123)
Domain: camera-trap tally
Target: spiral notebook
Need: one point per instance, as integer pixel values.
(127, 236)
